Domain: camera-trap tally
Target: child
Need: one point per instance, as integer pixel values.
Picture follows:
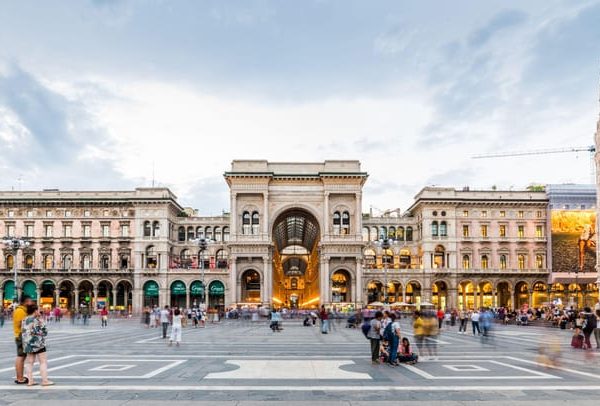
(406, 354)
(34, 344)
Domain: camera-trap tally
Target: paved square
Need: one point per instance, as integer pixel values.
(106, 368)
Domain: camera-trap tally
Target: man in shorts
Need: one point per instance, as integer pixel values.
(18, 315)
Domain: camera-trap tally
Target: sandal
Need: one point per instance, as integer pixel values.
(32, 384)
(23, 382)
(49, 383)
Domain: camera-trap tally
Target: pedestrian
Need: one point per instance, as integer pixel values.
(440, 317)
(2, 316)
(34, 334)
(406, 355)
(394, 341)
(475, 322)
(164, 320)
(147, 317)
(374, 336)
(588, 326)
(324, 320)
(19, 314)
(419, 331)
(176, 328)
(597, 329)
(104, 317)
(462, 317)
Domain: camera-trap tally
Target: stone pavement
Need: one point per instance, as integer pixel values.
(244, 363)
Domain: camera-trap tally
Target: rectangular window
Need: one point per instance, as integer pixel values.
(87, 230)
(29, 213)
(10, 231)
(502, 230)
(539, 214)
(521, 232)
(539, 231)
(48, 230)
(465, 213)
(502, 213)
(124, 230)
(483, 213)
(86, 213)
(465, 231)
(484, 230)
(11, 213)
(29, 230)
(48, 213)
(67, 230)
(67, 213)
(105, 213)
(521, 214)
(105, 230)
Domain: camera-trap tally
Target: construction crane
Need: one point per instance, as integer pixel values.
(591, 149)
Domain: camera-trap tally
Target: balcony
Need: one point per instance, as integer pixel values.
(78, 271)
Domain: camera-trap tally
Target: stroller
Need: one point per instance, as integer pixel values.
(352, 322)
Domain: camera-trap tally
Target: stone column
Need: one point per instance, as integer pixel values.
(137, 301)
(187, 298)
(404, 292)
(511, 299)
(56, 297)
(76, 304)
(233, 218)
(233, 282)
(95, 299)
(494, 298)
(358, 294)
(38, 293)
(358, 220)
(265, 214)
(268, 279)
(452, 298)
(114, 297)
(326, 215)
(530, 298)
(324, 281)
(2, 295)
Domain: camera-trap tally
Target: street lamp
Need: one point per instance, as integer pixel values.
(14, 244)
(385, 245)
(576, 270)
(202, 246)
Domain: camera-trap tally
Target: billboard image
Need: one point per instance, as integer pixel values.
(573, 240)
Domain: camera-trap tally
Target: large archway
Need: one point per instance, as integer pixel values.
(296, 236)
(251, 286)
(341, 287)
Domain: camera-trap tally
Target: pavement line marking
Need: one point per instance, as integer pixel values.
(538, 373)
(163, 369)
(573, 371)
(50, 360)
(149, 339)
(330, 388)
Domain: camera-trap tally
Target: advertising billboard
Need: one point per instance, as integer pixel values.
(573, 240)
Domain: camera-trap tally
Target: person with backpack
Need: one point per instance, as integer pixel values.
(374, 336)
(391, 334)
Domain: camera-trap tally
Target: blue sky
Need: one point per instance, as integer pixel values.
(94, 94)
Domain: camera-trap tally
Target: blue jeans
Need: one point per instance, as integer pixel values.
(325, 326)
(476, 327)
(394, 348)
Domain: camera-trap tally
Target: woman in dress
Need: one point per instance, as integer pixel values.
(176, 328)
(34, 344)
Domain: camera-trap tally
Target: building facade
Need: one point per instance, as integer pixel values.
(295, 236)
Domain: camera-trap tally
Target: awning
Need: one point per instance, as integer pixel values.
(151, 289)
(196, 288)
(9, 290)
(567, 278)
(216, 288)
(30, 289)
(178, 288)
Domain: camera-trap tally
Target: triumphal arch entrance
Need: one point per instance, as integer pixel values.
(295, 227)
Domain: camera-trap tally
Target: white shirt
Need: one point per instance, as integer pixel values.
(164, 316)
(475, 316)
(177, 321)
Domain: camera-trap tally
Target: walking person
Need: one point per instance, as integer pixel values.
(374, 336)
(164, 320)
(462, 316)
(588, 326)
(176, 327)
(475, 322)
(394, 341)
(324, 320)
(19, 314)
(419, 331)
(2, 317)
(34, 334)
(597, 329)
(104, 317)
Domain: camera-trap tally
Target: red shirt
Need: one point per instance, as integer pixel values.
(440, 314)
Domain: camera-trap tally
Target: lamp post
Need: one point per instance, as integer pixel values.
(385, 245)
(14, 244)
(202, 246)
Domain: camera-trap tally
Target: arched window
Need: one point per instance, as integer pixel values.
(199, 232)
(400, 233)
(218, 235)
(10, 262)
(246, 223)
(539, 261)
(502, 261)
(151, 257)
(67, 261)
(439, 257)
(345, 223)
(392, 232)
(190, 233)
(365, 234)
(374, 233)
(147, 229)
(181, 234)
(221, 259)
(104, 262)
(28, 262)
(255, 223)
(382, 233)
(521, 261)
(466, 262)
(443, 229)
(124, 261)
(409, 234)
(185, 261)
(48, 261)
(208, 233)
(86, 261)
(434, 229)
(225, 234)
(484, 262)
(155, 229)
(369, 256)
(337, 223)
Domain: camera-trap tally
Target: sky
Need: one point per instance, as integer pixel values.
(109, 94)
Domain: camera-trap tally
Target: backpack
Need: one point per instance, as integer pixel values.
(388, 334)
(366, 327)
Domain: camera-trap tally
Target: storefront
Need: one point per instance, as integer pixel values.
(196, 294)
(9, 293)
(216, 295)
(47, 295)
(178, 291)
(151, 294)
(30, 289)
